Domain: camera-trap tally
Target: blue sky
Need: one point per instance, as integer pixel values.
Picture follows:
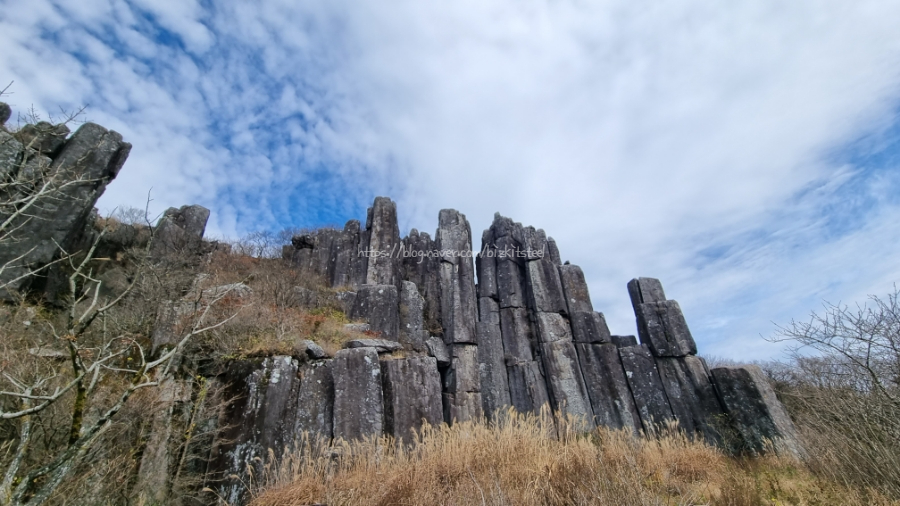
(745, 152)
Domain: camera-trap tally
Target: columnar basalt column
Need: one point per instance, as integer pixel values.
(383, 243)
(459, 314)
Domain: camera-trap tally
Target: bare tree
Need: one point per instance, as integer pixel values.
(94, 358)
(843, 390)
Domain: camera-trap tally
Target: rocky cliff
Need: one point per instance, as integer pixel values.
(524, 336)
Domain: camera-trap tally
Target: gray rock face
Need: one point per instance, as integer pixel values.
(421, 266)
(315, 401)
(358, 401)
(552, 327)
(568, 394)
(379, 345)
(412, 395)
(179, 231)
(344, 252)
(646, 387)
(488, 311)
(527, 388)
(457, 274)
(384, 243)
(607, 387)
(589, 327)
(379, 306)
(462, 407)
(93, 156)
(623, 341)
(412, 322)
(159, 457)
(578, 299)
(260, 417)
(755, 411)
(691, 396)
(518, 336)
(662, 327)
(510, 272)
(438, 350)
(486, 266)
(643, 290)
(43, 137)
(463, 375)
(492, 368)
(544, 288)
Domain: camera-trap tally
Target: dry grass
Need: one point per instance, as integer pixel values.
(522, 461)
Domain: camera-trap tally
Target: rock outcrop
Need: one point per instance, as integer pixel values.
(526, 336)
(50, 185)
(755, 412)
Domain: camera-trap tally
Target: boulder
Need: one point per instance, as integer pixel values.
(179, 231)
(358, 401)
(438, 350)
(607, 387)
(412, 396)
(306, 349)
(379, 306)
(755, 411)
(379, 345)
(646, 387)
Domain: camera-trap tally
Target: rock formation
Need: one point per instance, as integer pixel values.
(48, 188)
(443, 349)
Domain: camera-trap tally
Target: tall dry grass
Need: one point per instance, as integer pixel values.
(527, 460)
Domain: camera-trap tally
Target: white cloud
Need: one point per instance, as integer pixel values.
(688, 140)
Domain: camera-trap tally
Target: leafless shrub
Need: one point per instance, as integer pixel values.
(843, 390)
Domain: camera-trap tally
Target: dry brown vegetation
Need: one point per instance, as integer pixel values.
(523, 460)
